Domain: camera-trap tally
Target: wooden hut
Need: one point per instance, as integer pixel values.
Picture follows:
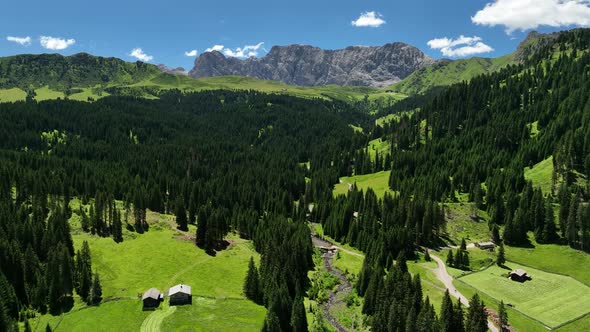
(180, 294)
(151, 299)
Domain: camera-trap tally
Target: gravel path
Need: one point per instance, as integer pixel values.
(442, 275)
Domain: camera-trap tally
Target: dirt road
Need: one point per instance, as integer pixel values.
(442, 275)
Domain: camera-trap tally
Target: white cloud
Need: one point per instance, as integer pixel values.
(369, 19)
(191, 53)
(55, 43)
(460, 47)
(530, 14)
(24, 41)
(217, 48)
(140, 55)
(239, 52)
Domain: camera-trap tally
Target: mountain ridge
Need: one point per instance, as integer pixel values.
(306, 65)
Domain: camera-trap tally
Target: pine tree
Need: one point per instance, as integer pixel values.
(83, 271)
(549, 230)
(252, 283)
(271, 322)
(476, 320)
(427, 256)
(458, 325)
(181, 218)
(117, 227)
(298, 318)
(450, 259)
(28, 326)
(96, 290)
(496, 234)
(503, 316)
(447, 313)
(501, 258)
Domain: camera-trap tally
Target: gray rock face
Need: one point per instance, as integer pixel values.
(376, 66)
(174, 71)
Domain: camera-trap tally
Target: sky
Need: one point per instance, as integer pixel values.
(174, 32)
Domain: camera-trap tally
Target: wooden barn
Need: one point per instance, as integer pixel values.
(151, 299)
(519, 275)
(180, 294)
(485, 245)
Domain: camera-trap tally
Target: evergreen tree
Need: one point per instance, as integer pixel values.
(181, 218)
(117, 226)
(27, 326)
(450, 259)
(96, 290)
(502, 316)
(298, 318)
(252, 283)
(447, 313)
(501, 257)
(549, 230)
(476, 320)
(427, 256)
(271, 322)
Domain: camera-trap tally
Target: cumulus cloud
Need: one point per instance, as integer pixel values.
(139, 54)
(459, 47)
(530, 14)
(191, 53)
(24, 41)
(238, 52)
(217, 48)
(369, 19)
(56, 43)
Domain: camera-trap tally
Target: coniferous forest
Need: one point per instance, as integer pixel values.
(235, 161)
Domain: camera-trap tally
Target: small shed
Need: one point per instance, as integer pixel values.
(519, 275)
(180, 294)
(485, 245)
(151, 299)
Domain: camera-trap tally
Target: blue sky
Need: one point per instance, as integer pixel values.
(165, 30)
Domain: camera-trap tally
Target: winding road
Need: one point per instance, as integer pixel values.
(444, 276)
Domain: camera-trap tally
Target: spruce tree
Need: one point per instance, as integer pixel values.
(549, 230)
(96, 290)
(502, 316)
(447, 313)
(298, 318)
(450, 259)
(476, 320)
(252, 283)
(181, 218)
(117, 226)
(501, 257)
(271, 322)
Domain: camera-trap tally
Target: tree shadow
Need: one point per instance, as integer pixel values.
(66, 304)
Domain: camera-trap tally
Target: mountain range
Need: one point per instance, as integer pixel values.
(390, 70)
(376, 66)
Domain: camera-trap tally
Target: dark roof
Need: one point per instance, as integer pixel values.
(152, 293)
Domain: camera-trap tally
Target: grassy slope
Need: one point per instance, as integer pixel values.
(46, 93)
(162, 258)
(541, 174)
(13, 94)
(446, 74)
(553, 299)
(378, 181)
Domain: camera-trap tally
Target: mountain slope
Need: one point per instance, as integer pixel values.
(445, 72)
(376, 66)
(64, 72)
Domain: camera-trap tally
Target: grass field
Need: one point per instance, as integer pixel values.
(11, 95)
(553, 258)
(552, 299)
(378, 181)
(45, 93)
(379, 146)
(216, 315)
(161, 258)
(461, 225)
(541, 175)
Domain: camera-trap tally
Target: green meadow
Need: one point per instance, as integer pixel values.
(550, 298)
(161, 258)
(541, 175)
(379, 182)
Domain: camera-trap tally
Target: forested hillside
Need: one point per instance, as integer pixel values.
(223, 160)
(475, 138)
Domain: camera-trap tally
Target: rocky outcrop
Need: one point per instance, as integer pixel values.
(376, 66)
